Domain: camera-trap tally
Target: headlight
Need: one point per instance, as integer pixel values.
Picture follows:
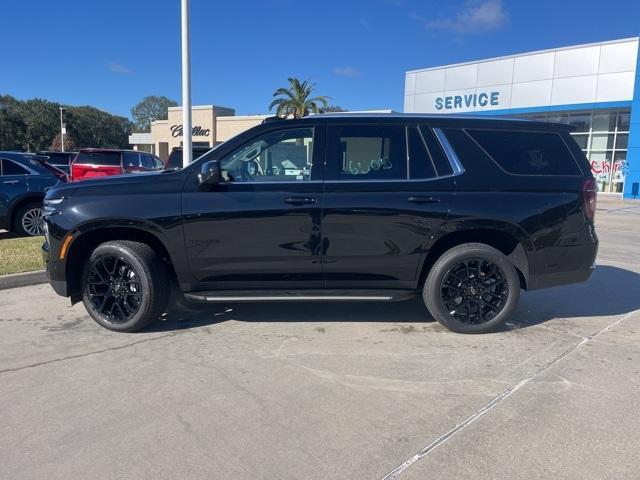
(53, 201)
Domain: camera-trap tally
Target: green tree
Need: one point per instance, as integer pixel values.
(297, 100)
(12, 127)
(150, 108)
(332, 108)
(42, 119)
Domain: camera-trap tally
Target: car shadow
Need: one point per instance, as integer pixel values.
(5, 235)
(607, 293)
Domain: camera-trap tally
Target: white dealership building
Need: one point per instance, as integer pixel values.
(595, 87)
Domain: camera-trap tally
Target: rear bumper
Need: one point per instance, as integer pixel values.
(547, 280)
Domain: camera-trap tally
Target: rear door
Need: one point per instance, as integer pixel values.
(388, 190)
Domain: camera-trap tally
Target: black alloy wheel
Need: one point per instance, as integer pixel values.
(125, 285)
(114, 289)
(472, 288)
(474, 291)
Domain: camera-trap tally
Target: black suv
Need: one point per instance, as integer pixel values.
(464, 211)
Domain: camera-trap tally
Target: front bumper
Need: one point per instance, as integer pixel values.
(55, 271)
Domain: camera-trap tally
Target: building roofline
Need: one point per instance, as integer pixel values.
(524, 54)
(202, 107)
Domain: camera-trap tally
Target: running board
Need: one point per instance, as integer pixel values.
(300, 296)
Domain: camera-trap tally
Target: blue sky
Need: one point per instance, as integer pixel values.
(111, 53)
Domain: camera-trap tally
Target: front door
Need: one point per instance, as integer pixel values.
(385, 200)
(260, 227)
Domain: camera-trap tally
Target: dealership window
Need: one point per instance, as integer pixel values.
(603, 136)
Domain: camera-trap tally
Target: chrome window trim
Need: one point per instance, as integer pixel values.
(449, 152)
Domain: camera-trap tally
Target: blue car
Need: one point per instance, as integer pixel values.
(24, 177)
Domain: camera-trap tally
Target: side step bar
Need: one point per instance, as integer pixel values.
(221, 296)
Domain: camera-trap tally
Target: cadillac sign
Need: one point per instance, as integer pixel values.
(197, 131)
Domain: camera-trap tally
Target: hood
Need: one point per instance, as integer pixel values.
(131, 184)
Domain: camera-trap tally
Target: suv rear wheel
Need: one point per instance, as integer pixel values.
(472, 288)
(125, 285)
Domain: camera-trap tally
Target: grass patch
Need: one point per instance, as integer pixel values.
(20, 255)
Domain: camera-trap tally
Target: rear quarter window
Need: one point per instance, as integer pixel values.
(98, 158)
(527, 153)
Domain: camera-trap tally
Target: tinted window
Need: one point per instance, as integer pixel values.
(157, 162)
(12, 168)
(369, 153)
(147, 162)
(98, 158)
(280, 156)
(443, 167)
(131, 160)
(420, 163)
(527, 153)
(175, 159)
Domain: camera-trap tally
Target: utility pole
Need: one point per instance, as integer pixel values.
(187, 154)
(62, 131)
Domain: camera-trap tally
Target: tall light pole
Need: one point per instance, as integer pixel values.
(187, 154)
(61, 131)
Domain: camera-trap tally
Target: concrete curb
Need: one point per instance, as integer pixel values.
(23, 279)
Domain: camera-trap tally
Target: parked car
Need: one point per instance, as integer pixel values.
(60, 160)
(103, 162)
(175, 157)
(23, 180)
(462, 211)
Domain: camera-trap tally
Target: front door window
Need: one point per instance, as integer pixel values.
(280, 156)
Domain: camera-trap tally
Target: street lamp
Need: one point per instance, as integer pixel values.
(62, 131)
(187, 155)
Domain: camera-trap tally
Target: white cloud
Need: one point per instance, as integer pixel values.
(477, 16)
(119, 68)
(346, 71)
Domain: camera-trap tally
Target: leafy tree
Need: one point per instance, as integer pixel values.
(34, 125)
(332, 108)
(12, 127)
(69, 143)
(150, 108)
(297, 100)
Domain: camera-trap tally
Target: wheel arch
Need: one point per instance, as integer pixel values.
(83, 244)
(18, 203)
(504, 238)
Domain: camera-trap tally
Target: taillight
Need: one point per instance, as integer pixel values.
(589, 197)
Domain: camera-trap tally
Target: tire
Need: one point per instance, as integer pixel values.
(125, 285)
(466, 294)
(28, 220)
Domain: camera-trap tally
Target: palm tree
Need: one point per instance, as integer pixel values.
(297, 101)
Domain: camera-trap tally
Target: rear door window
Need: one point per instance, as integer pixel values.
(12, 168)
(111, 159)
(527, 153)
(421, 165)
(368, 152)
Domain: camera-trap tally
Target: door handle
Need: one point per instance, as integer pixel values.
(11, 182)
(299, 200)
(423, 199)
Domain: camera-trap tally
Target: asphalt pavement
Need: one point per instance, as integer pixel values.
(332, 391)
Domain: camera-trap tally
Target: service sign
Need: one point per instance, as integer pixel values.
(467, 102)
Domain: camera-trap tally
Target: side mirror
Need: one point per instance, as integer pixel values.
(209, 174)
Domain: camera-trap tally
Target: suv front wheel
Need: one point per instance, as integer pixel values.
(472, 288)
(125, 285)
